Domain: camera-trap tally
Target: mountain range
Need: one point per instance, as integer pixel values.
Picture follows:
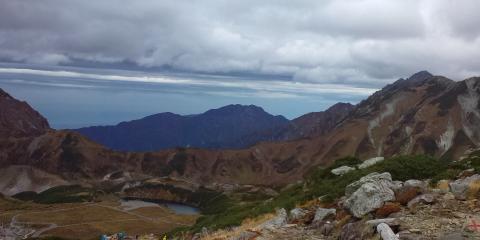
(232, 126)
(423, 114)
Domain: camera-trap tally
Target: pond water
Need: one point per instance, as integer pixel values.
(178, 208)
(182, 209)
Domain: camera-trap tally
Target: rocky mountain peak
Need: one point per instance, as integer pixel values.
(18, 119)
(340, 107)
(236, 109)
(420, 76)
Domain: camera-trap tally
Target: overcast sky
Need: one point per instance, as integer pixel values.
(350, 47)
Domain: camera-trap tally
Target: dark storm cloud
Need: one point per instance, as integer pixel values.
(352, 42)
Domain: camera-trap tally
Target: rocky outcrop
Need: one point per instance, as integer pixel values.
(369, 193)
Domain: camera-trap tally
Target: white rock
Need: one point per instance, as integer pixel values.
(386, 232)
(370, 193)
(322, 213)
(342, 170)
(370, 162)
(367, 198)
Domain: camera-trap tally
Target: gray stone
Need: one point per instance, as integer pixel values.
(386, 232)
(342, 170)
(327, 228)
(424, 198)
(278, 221)
(297, 214)
(323, 213)
(462, 188)
(416, 183)
(370, 162)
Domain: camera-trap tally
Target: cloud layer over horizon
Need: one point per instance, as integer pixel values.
(356, 43)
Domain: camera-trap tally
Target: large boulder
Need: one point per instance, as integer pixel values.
(466, 188)
(369, 193)
(342, 170)
(370, 162)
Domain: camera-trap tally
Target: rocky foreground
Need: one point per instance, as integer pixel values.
(377, 207)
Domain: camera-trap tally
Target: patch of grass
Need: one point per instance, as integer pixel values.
(59, 194)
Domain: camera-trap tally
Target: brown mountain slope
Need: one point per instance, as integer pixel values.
(319, 123)
(422, 114)
(18, 119)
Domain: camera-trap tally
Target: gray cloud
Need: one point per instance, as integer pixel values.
(351, 42)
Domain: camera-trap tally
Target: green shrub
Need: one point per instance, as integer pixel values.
(411, 167)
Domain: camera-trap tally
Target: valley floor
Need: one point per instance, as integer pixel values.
(86, 220)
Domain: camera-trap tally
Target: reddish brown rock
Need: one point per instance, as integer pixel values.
(388, 209)
(406, 194)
